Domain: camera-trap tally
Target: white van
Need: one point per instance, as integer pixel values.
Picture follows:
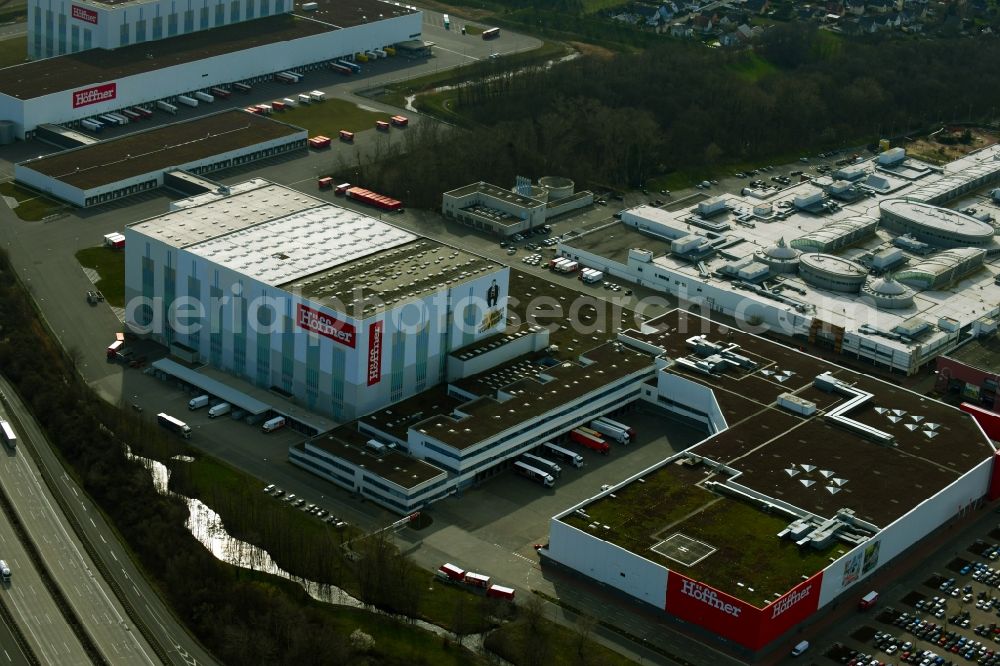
(198, 403)
(4, 571)
(274, 424)
(800, 648)
(219, 410)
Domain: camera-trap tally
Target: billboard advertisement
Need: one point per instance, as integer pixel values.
(323, 324)
(94, 95)
(375, 353)
(83, 14)
(737, 620)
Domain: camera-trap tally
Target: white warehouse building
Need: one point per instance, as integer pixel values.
(69, 88)
(340, 311)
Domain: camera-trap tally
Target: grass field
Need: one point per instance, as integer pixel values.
(31, 206)
(562, 647)
(13, 51)
(752, 67)
(110, 265)
(329, 117)
(594, 6)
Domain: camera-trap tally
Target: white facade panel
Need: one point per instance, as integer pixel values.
(860, 563)
(608, 564)
(202, 74)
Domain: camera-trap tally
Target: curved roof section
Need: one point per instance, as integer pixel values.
(834, 234)
(943, 262)
(832, 265)
(940, 220)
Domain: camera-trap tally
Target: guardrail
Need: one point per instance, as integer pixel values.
(22, 642)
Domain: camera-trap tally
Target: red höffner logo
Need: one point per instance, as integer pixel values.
(795, 597)
(708, 596)
(83, 14)
(94, 95)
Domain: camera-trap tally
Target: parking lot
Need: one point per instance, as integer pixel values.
(945, 613)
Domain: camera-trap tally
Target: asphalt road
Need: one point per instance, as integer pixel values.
(114, 633)
(71, 567)
(44, 627)
(10, 654)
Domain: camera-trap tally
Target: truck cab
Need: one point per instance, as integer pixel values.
(4, 571)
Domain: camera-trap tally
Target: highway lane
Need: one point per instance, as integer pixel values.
(44, 626)
(95, 605)
(10, 655)
(182, 649)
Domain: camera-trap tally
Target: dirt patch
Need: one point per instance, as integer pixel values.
(929, 149)
(593, 50)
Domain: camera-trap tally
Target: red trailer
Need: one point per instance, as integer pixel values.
(346, 136)
(346, 71)
(319, 142)
(242, 87)
(252, 109)
(278, 106)
(144, 112)
(500, 592)
(477, 580)
(374, 198)
(452, 572)
(591, 442)
(382, 125)
(221, 93)
(400, 121)
(325, 183)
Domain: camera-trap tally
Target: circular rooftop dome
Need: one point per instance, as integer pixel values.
(780, 250)
(779, 257)
(828, 271)
(886, 286)
(888, 294)
(941, 227)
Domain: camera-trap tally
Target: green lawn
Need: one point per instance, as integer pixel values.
(110, 266)
(752, 67)
(31, 206)
(329, 117)
(552, 644)
(13, 51)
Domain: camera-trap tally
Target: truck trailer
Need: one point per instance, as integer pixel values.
(591, 442)
(187, 101)
(542, 464)
(174, 425)
(574, 459)
(610, 431)
(534, 474)
(8, 434)
(166, 106)
(204, 97)
(627, 428)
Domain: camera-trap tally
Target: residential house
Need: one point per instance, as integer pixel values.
(854, 7)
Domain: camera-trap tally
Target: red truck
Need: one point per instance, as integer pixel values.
(500, 592)
(325, 183)
(319, 142)
(374, 198)
(382, 125)
(400, 121)
(451, 572)
(346, 136)
(591, 442)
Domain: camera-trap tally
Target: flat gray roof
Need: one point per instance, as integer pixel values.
(369, 284)
(497, 192)
(160, 148)
(349, 444)
(181, 228)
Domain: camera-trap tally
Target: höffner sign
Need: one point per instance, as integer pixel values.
(708, 596)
